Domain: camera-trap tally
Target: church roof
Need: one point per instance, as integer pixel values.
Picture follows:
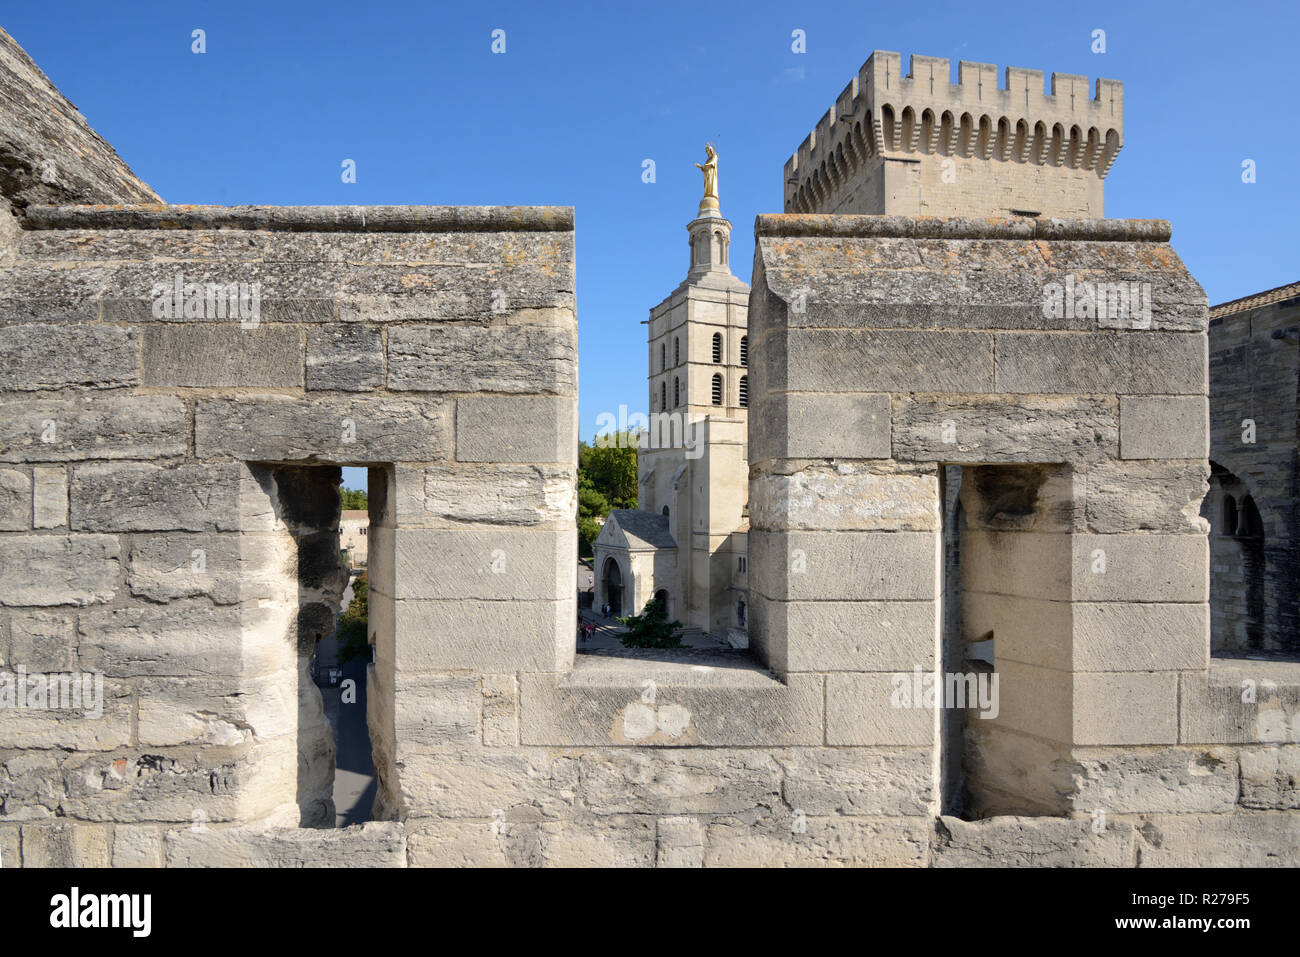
(1266, 298)
(649, 527)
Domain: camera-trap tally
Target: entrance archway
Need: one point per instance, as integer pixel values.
(613, 587)
(661, 596)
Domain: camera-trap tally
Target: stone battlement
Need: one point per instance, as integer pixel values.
(1063, 136)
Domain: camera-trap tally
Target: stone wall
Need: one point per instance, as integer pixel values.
(1254, 434)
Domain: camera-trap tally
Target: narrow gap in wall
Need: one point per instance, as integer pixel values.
(335, 769)
(953, 650)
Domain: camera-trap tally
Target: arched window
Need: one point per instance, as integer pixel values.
(744, 350)
(677, 352)
(717, 347)
(1229, 515)
(677, 392)
(663, 357)
(717, 390)
(1250, 525)
(663, 396)
(744, 392)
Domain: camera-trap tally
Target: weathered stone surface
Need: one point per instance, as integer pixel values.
(373, 844)
(66, 845)
(498, 562)
(500, 710)
(43, 641)
(181, 639)
(605, 701)
(484, 635)
(1136, 707)
(1144, 496)
(49, 497)
(508, 428)
(859, 781)
(833, 360)
(844, 635)
(1177, 780)
(11, 854)
(1031, 842)
(15, 500)
(844, 566)
(1270, 778)
(464, 357)
(486, 494)
(674, 782)
(40, 356)
(845, 496)
(1243, 839)
(51, 153)
(1240, 701)
(679, 842)
(222, 355)
(137, 846)
(1164, 426)
(1112, 362)
(32, 786)
(93, 427)
(491, 784)
(347, 358)
(994, 429)
(804, 841)
(166, 567)
(860, 711)
(59, 569)
(828, 425)
(320, 429)
(98, 716)
(150, 498)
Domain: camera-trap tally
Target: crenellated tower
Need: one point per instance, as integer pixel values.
(920, 145)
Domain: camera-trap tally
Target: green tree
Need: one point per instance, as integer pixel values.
(606, 481)
(354, 499)
(651, 628)
(353, 623)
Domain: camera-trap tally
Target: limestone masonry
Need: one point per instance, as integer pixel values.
(946, 476)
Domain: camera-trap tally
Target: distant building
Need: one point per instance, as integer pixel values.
(354, 524)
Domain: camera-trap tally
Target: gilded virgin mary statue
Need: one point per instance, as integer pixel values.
(709, 204)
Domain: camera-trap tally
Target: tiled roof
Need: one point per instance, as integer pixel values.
(1246, 303)
(647, 526)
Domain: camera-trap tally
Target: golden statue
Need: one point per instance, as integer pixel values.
(710, 170)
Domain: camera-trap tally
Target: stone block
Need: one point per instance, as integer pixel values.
(1033, 700)
(806, 841)
(181, 639)
(995, 429)
(323, 429)
(607, 842)
(166, 567)
(1140, 781)
(496, 563)
(680, 842)
(133, 497)
(847, 635)
(617, 701)
(859, 781)
(1240, 701)
(1164, 426)
(1243, 839)
(846, 566)
(435, 712)
(1145, 496)
(1270, 778)
(673, 782)
(500, 710)
(1139, 707)
(486, 494)
(345, 358)
(1105, 363)
(49, 497)
(373, 844)
(93, 427)
(15, 500)
(483, 635)
(472, 357)
(1141, 567)
(510, 428)
(43, 641)
(137, 845)
(490, 784)
(846, 497)
(53, 356)
(822, 425)
(1140, 636)
(66, 845)
(833, 360)
(76, 712)
(1031, 842)
(860, 710)
(59, 569)
(223, 355)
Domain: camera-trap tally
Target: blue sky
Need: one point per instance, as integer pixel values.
(585, 92)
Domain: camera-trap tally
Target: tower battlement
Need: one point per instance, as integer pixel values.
(885, 144)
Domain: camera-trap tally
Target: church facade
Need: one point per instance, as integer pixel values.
(686, 542)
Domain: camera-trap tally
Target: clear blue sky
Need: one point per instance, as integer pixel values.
(586, 91)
